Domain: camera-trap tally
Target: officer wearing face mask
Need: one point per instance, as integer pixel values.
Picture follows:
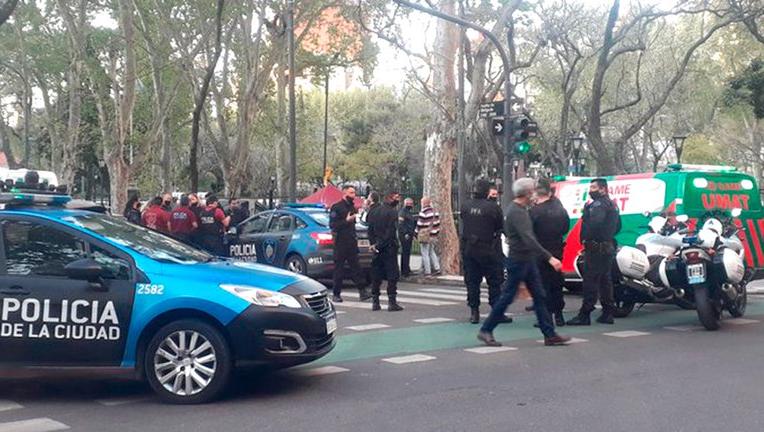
(383, 224)
(600, 223)
(481, 225)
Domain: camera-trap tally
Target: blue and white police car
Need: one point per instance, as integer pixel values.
(295, 237)
(80, 288)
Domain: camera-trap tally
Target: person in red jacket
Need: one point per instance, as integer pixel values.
(183, 221)
(155, 218)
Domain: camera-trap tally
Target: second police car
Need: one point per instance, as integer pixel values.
(295, 237)
(85, 289)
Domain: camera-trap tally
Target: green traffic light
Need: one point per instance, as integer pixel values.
(522, 147)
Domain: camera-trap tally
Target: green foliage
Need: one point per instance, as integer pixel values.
(699, 149)
(748, 88)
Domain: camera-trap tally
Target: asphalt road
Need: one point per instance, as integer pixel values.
(654, 371)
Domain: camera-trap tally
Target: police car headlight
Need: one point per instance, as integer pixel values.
(262, 297)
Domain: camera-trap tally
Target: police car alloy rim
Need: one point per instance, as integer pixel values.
(295, 266)
(185, 363)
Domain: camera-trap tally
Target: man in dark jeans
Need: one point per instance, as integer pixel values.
(600, 223)
(550, 224)
(342, 218)
(383, 224)
(524, 251)
(406, 233)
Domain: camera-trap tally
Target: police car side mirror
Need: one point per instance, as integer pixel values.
(86, 269)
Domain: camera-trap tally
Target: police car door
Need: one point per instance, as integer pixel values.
(249, 239)
(48, 318)
(277, 238)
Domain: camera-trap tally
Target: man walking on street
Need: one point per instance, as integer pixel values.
(427, 230)
(600, 223)
(524, 251)
(481, 239)
(550, 224)
(342, 219)
(406, 234)
(383, 224)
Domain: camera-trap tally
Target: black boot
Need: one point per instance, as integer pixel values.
(606, 317)
(375, 303)
(559, 320)
(582, 319)
(475, 316)
(336, 298)
(392, 305)
(364, 294)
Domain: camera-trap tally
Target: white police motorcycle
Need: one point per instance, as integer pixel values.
(711, 268)
(639, 272)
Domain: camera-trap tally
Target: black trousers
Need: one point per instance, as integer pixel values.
(406, 242)
(553, 282)
(384, 266)
(478, 266)
(345, 255)
(598, 280)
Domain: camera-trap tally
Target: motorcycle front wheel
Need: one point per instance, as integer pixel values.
(623, 308)
(708, 311)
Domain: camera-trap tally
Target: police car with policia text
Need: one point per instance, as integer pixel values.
(80, 288)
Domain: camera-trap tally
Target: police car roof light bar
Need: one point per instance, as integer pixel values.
(303, 205)
(33, 197)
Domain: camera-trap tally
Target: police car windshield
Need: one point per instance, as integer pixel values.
(321, 217)
(144, 241)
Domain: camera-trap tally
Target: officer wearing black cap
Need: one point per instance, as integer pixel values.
(481, 225)
(600, 223)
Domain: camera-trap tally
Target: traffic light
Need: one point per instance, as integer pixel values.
(522, 130)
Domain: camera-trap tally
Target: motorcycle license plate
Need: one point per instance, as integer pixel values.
(331, 325)
(363, 243)
(696, 273)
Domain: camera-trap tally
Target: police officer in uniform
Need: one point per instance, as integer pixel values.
(406, 233)
(342, 219)
(383, 224)
(600, 223)
(550, 224)
(482, 225)
(212, 225)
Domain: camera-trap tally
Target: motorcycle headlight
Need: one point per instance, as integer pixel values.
(262, 297)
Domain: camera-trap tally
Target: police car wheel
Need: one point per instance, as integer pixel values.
(295, 264)
(188, 362)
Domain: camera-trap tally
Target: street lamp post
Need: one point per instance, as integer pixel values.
(679, 146)
(508, 173)
(292, 109)
(577, 141)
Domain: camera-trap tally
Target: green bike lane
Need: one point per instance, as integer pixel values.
(456, 335)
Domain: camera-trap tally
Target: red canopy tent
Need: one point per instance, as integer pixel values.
(328, 196)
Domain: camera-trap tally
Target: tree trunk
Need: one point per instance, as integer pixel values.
(282, 147)
(440, 148)
(6, 9)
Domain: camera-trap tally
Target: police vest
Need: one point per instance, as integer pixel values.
(208, 225)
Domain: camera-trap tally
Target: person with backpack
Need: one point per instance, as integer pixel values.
(427, 230)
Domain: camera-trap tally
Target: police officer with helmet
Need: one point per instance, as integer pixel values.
(600, 223)
(481, 226)
(212, 225)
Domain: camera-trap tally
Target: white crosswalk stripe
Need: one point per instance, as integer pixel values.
(319, 371)
(684, 328)
(420, 301)
(366, 327)
(740, 321)
(432, 295)
(6, 405)
(33, 425)
(490, 349)
(574, 340)
(461, 293)
(433, 320)
(414, 358)
(626, 334)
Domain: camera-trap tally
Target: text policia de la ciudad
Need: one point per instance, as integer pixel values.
(43, 319)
